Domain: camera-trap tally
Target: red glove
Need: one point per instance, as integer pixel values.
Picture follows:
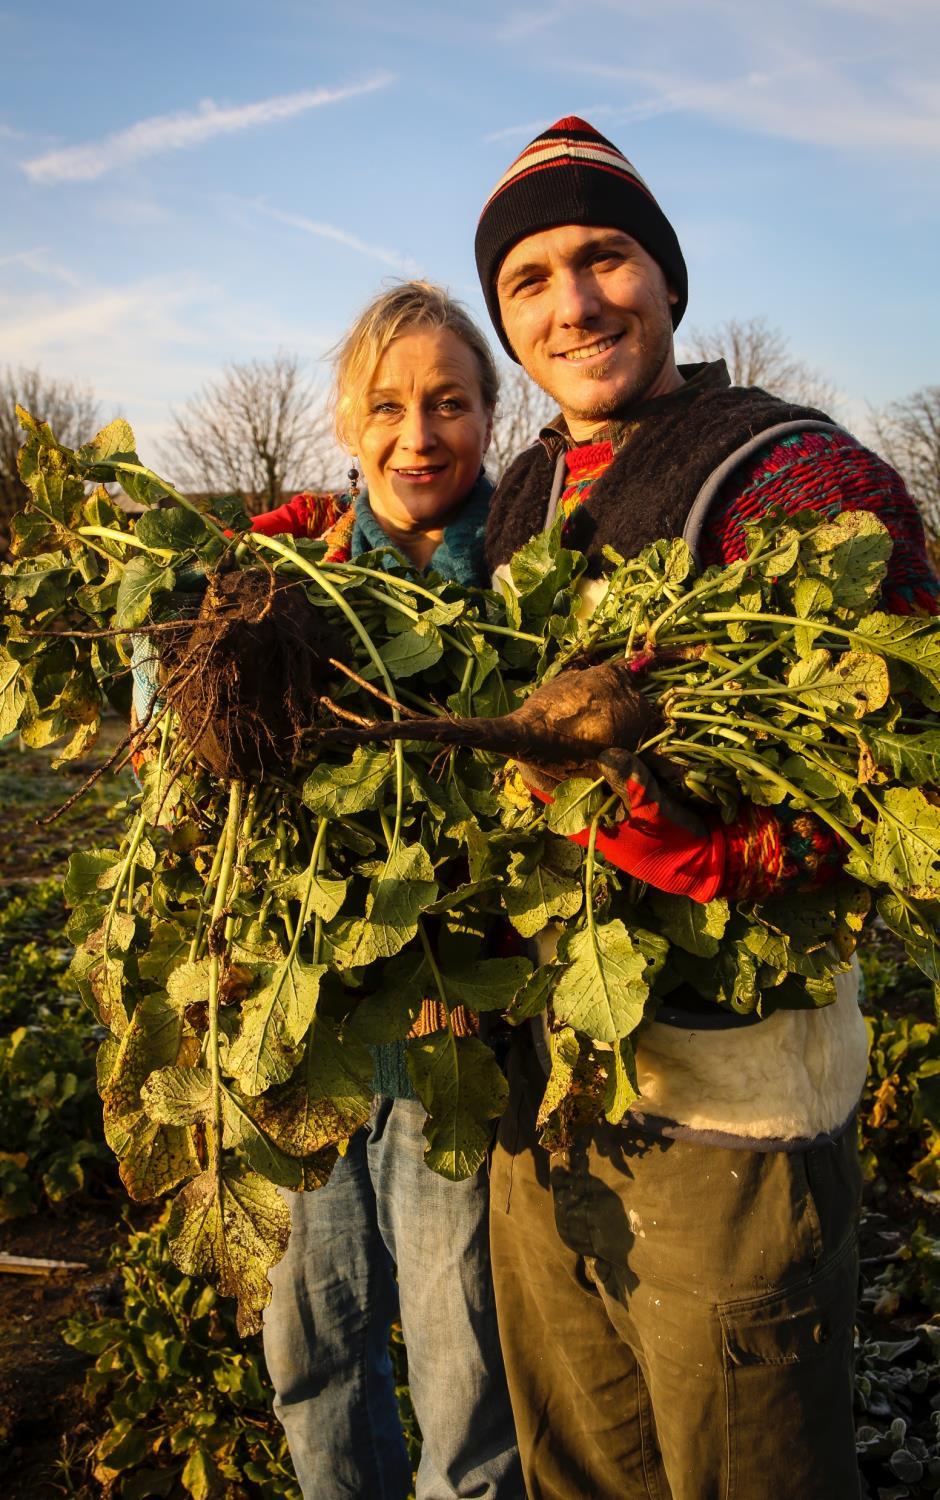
(659, 840)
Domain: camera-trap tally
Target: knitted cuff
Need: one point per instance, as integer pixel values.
(433, 1017)
(774, 850)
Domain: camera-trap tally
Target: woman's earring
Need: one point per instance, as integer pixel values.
(353, 477)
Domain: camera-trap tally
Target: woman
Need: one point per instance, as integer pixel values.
(415, 393)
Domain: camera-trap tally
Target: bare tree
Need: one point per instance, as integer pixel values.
(523, 409)
(260, 429)
(71, 411)
(757, 354)
(907, 433)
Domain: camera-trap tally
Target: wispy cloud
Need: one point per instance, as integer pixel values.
(22, 257)
(37, 261)
(182, 131)
(519, 25)
(342, 237)
(809, 100)
(189, 325)
(528, 129)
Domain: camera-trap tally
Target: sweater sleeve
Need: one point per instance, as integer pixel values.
(307, 514)
(773, 850)
(829, 472)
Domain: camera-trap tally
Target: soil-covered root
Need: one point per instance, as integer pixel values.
(246, 676)
(563, 725)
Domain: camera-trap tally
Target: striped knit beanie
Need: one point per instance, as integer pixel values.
(571, 174)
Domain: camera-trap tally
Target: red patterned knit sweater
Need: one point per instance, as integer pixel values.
(770, 850)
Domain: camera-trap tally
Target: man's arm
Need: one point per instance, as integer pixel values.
(828, 472)
(766, 850)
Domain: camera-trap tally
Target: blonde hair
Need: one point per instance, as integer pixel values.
(410, 304)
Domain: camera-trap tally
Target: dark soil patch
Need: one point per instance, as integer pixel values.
(41, 1376)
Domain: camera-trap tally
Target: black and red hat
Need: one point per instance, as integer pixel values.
(571, 174)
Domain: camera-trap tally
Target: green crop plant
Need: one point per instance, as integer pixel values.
(188, 1406)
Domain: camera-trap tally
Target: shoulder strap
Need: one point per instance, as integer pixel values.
(558, 484)
(701, 505)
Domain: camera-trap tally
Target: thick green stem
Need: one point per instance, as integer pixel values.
(408, 586)
(517, 635)
(744, 668)
(312, 868)
(61, 526)
(414, 615)
(136, 838)
(438, 977)
(317, 860)
(199, 932)
(244, 838)
(589, 861)
(701, 590)
(126, 539)
(229, 845)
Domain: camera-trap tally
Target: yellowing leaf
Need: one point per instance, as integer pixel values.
(906, 843)
(858, 682)
(274, 1022)
(117, 437)
(231, 1227)
(622, 1087)
(326, 1099)
(178, 1096)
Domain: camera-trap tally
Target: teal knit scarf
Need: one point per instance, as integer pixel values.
(458, 557)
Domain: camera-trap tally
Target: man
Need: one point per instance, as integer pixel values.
(676, 1294)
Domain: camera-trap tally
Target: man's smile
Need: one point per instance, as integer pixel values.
(589, 351)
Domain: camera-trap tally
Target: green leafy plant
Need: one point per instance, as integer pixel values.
(253, 935)
(34, 955)
(900, 1113)
(50, 1119)
(187, 1403)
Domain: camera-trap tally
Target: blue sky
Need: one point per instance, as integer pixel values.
(200, 182)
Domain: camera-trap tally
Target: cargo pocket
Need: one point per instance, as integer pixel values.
(788, 1386)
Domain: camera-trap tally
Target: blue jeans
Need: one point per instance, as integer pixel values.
(335, 1296)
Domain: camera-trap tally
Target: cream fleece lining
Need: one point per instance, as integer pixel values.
(795, 1076)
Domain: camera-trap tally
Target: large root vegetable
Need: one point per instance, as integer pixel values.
(563, 725)
(245, 677)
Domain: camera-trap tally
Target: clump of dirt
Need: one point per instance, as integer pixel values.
(245, 678)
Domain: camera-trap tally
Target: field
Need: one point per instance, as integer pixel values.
(123, 1378)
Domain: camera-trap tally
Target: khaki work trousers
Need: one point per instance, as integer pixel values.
(676, 1319)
